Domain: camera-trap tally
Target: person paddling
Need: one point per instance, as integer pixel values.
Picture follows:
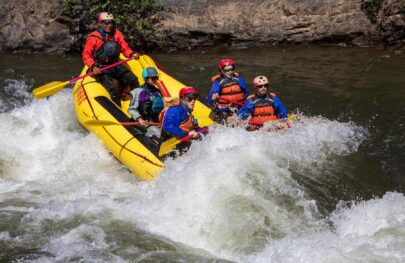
(228, 90)
(147, 102)
(262, 106)
(178, 121)
(103, 47)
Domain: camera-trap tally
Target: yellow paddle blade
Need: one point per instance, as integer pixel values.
(168, 146)
(291, 118)
(100, 123)
(49, 89)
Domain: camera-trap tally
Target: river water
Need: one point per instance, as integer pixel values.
(329, 189)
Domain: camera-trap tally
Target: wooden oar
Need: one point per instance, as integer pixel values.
(56, 86)
(107, 122)
(168, 145)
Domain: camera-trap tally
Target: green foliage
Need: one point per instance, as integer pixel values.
(134, 18)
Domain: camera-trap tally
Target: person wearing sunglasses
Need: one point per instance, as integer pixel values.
(178, 121)
(262, 106)
(147, 102)
(228, 90)
(103, 47)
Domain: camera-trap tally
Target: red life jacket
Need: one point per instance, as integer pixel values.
(229, 89)
(263, 109)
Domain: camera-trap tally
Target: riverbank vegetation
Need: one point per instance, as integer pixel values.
(135, 18)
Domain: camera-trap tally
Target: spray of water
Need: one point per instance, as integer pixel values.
(231, 196)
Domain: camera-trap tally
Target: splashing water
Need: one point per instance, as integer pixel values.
(63, 197)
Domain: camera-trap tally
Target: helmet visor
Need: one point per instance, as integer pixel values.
(108, 22)
(191, 96)
(228, 68)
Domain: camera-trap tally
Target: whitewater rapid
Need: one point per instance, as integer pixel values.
(235, 195)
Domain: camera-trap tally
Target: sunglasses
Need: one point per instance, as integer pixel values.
(108, 22)
(190, 98)
(262, 86)
(228, 69)
(153, 78)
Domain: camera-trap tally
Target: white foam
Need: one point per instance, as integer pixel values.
(369, 231)
(232, 194)
(235, 184)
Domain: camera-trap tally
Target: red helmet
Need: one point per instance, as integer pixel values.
(226, 62)
(187, 90)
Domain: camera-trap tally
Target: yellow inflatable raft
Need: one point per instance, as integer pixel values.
(127, 143)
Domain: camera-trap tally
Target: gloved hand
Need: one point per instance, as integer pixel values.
(135, 55)
(96, 70)
(193, 133)
(141, 121)
(215, 96)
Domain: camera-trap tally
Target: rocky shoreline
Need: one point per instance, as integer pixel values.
(40, 26)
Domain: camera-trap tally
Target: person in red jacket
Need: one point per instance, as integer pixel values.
(103, 47)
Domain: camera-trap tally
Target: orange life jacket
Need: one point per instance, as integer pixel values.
(263, 109)
(168, 104)
(187, 125)
(229, 89)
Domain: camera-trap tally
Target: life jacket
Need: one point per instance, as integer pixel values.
(187, 125)
(263, 109)
(229, 89)
(152, 106)
(108, 53)
(157, 104)
(168, 104)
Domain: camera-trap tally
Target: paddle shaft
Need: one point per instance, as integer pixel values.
(232, 101)
(138, 123)
(102, 69)
(236, 102)
(108, 122)
(188, 137)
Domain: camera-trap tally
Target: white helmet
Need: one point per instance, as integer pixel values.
(259, 81)
(104, 16)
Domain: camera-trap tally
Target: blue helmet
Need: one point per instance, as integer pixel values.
(149, 72)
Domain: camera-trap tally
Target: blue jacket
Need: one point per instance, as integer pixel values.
(216, 88)
(174, 116)
(248, 108)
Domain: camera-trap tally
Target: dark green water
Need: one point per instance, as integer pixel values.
(365, 87)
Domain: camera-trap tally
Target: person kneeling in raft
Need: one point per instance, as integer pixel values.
(147, 102)
(262, 106)
(228, 92)
(179, 122)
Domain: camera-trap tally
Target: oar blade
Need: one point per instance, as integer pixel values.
(168, 146)
(291, 118)
(49, 89)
